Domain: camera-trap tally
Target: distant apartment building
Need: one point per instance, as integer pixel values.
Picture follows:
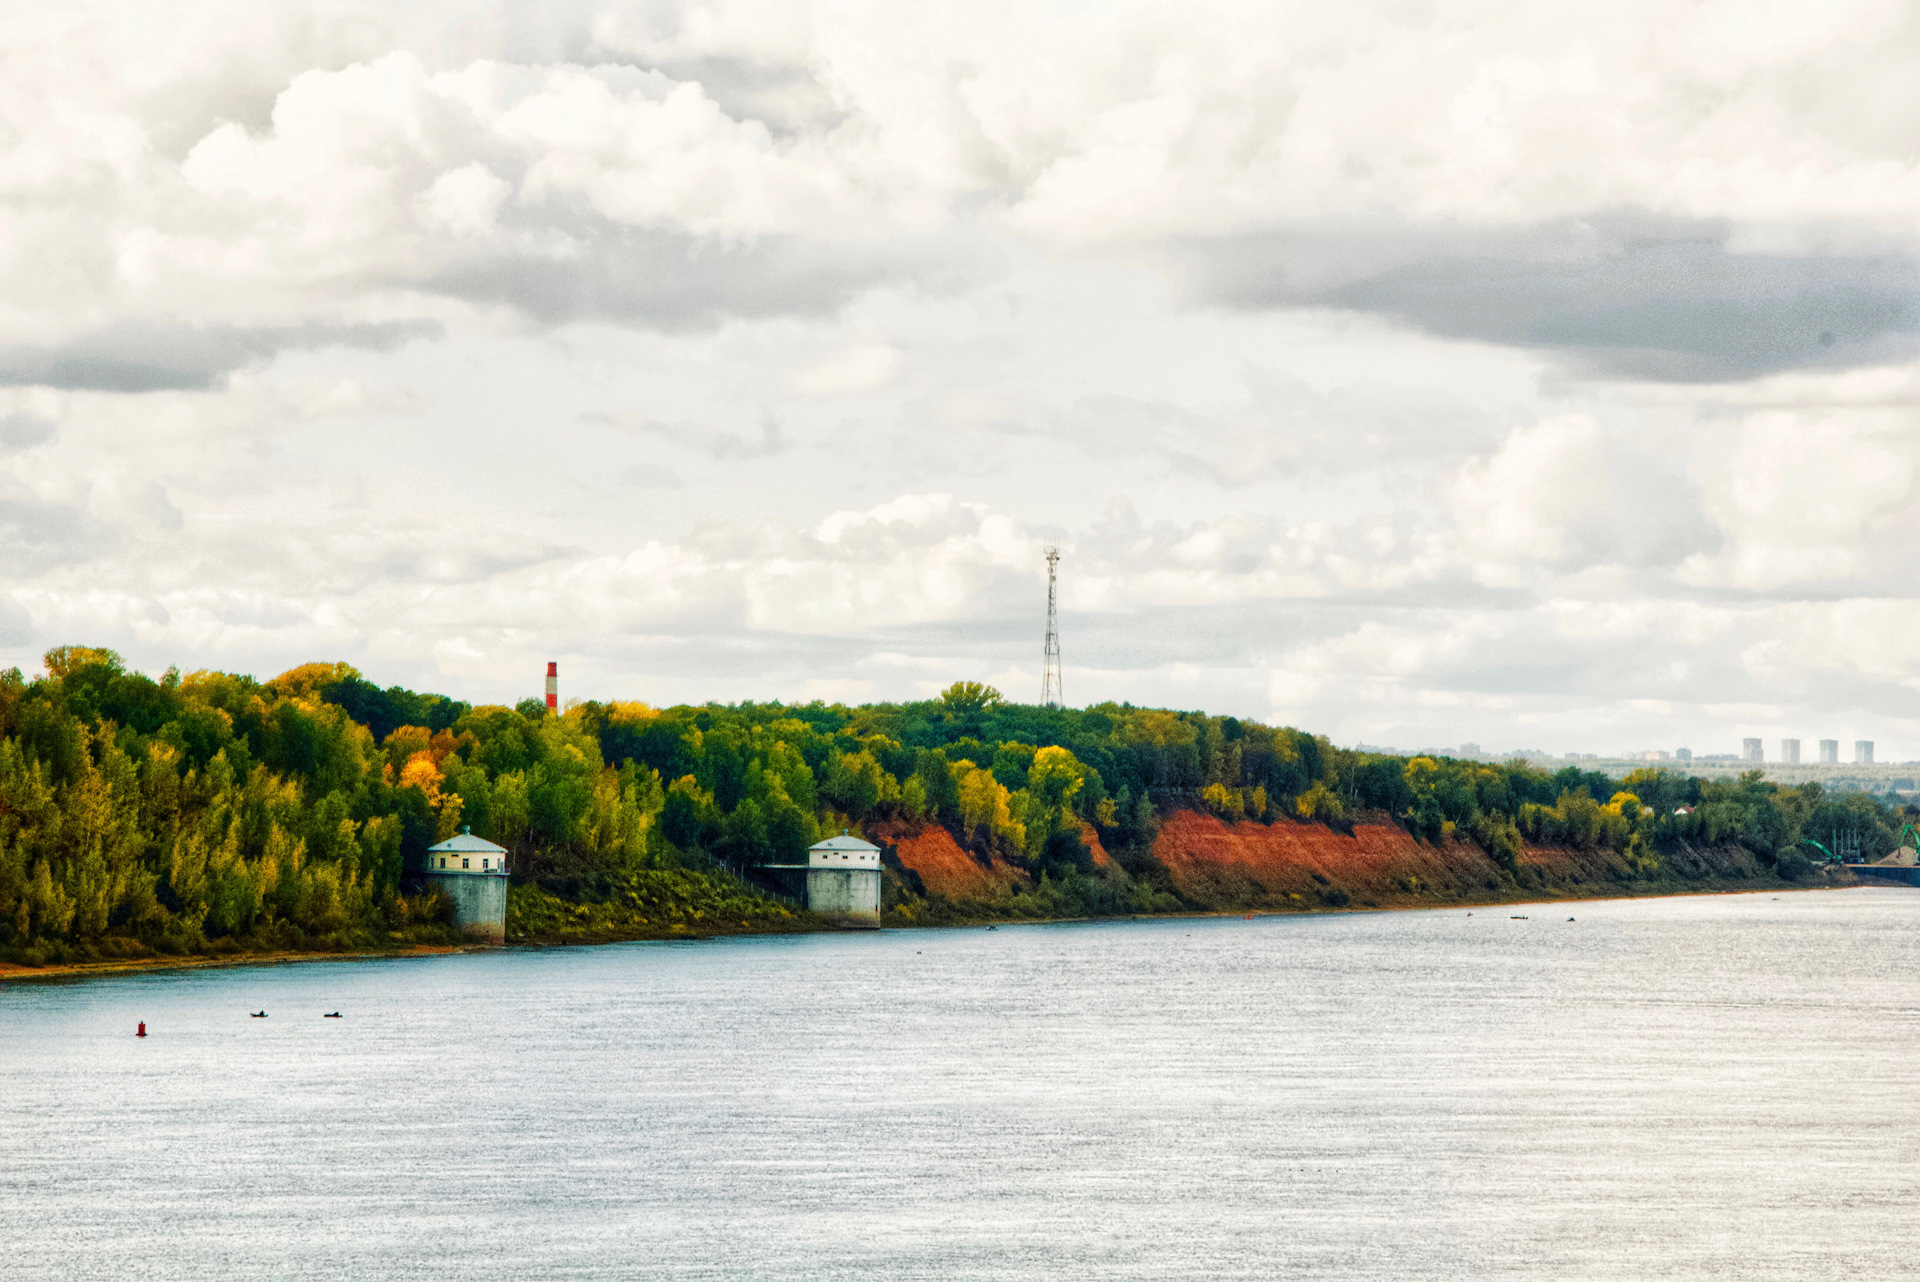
(1750, 750)
(1683, 754)
(1830, 751)
(1790, 751)
(1863, 752)
(1470, 751)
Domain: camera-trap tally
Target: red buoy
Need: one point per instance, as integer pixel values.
(143, 1029)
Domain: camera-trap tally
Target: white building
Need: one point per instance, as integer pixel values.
(1790, 750)
(1750, 750)
(841, 879)
(1863, 752)
(472, 872)
(1830, 751)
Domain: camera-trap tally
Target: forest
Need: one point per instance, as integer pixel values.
(213, 813)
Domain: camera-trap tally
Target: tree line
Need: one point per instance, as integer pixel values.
(211, 810)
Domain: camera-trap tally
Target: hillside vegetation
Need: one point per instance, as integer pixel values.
(214, 812)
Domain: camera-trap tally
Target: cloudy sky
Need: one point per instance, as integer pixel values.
(1413, 372)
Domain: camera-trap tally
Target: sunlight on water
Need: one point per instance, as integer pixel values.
(1678, 1088)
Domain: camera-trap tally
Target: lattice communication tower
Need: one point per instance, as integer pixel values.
(1050, 693)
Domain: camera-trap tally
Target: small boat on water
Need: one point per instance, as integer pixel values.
(1516, 919)
(258, 1014)
(334, 1014)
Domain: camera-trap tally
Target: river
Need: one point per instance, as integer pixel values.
(1707, 1087)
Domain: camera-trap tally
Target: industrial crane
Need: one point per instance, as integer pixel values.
(1908, 830)
(1831, 857)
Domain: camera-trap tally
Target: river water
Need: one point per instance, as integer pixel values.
(1714, 1087)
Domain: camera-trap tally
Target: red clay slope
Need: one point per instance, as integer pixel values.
(944, 868)
(1291, 864)
(1251, 863)
(1091, 836)
(1248, 864)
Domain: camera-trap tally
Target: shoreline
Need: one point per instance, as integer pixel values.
(12, 971)
(1359, 910)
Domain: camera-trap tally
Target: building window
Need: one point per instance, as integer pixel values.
(443, 861)
(466, 863)
(483, 865)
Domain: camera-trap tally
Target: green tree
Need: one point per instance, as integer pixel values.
(968, 698)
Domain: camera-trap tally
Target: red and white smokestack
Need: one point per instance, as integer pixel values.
(553, 687)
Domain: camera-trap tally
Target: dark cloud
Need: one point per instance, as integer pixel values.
(36, 536)
(585, 269)
(1621, 296)
(24, 431)
(149, 357)
(1655, 520)
(16, 628)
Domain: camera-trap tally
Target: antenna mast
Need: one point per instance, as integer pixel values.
(1050, 693)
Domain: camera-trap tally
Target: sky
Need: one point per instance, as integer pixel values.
(1410, 372)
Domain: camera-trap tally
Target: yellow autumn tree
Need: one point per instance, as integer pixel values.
(307, 680)
(985, 811)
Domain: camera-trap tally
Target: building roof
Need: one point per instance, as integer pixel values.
(468, 844)
(843, 842)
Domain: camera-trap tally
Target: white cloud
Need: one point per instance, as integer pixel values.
(864, 368)
(1484, 370)
(464, 202)
(1146, 121)
(1816, 498)
(1520, 505)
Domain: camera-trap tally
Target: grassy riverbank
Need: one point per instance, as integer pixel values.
(643, 904)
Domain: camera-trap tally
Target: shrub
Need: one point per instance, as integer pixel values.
(1793, 866)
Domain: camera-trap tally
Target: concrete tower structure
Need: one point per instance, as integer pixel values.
(553, 686)
(1750, 750)
(841, 880)
(1790, 750)
(472, 873)
(1863, 752)
(1830, 752)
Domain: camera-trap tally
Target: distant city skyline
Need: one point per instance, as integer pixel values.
(1866, 752)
